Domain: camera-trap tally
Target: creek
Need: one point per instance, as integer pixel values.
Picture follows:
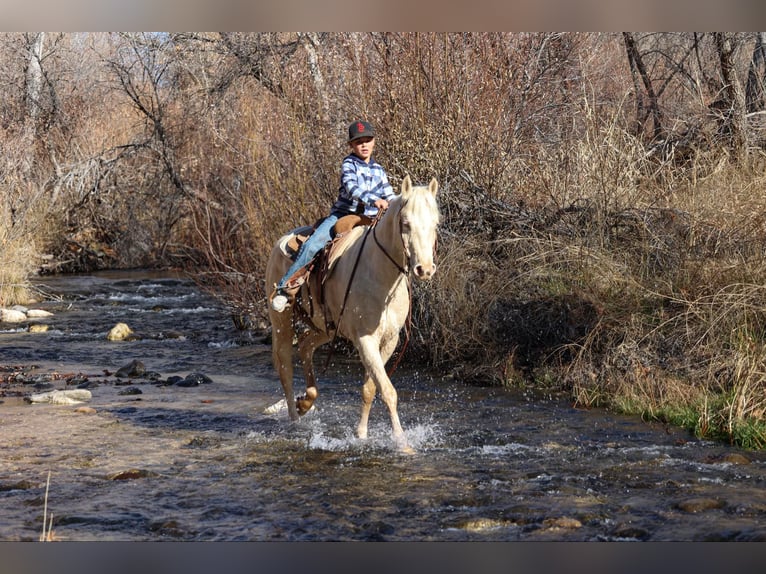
(205, 462)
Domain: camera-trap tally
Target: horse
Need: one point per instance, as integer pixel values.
(366, 300)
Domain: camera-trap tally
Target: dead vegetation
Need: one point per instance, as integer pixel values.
(602, 193)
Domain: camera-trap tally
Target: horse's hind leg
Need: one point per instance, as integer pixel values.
(282, 355)
(368, 394)
(308, 343)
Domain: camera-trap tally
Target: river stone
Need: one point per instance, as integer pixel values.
(736, 458)
(20, 485)
(630, 532)
(37, 328)
(694, 505)
(38, 313)
(194, 380)
(483, 524)
(130, 391)
(69, 397)
(12, 316)
(563, 522)
(198, 378)
(131, 474)
(133, 369)
(119, 332)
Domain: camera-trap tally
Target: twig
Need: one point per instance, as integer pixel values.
(46, 537)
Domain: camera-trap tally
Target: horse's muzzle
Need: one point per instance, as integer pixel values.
(424, 272)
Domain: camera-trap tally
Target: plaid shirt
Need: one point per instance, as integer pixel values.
(360, 185)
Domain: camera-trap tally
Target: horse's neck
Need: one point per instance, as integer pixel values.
(388, 240)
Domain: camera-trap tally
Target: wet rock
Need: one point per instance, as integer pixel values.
(133, 369)
(130, 391)
(377, 530)
(168, 528)
(630, 532)
(563, 522)
(70, 397)
(43, 386)
(694, 505)
(20, 485)
(483, 524)
(172, 335)
(37, 328)
(731, 458)
(12, 316)
(119, 332)
(204, 442)
(194, 380)
(87, 384)
(172, 380)
(76, 380)
(199, 378)
(85, 410)
(38, 314)
(736, 458)
(131, 474)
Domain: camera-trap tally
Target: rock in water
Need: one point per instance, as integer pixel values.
(133, 369)
(119, 332)
(198, 379)
(69, 397)
(12, 316)
(38, 313)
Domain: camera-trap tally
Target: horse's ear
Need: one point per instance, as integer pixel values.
(433, 186)
(406, 186)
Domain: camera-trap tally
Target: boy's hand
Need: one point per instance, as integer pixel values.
(381, 204)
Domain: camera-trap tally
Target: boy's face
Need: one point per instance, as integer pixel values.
(362, 148)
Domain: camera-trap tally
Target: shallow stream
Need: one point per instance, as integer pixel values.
(152, 460)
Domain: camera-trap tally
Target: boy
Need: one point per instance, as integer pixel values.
(364, 190)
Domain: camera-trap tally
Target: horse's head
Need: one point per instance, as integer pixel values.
(419, 217)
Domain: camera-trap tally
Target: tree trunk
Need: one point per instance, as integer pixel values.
(310, 41)
(637, 68)
(734, 96)
(754, 91)
(33, 89)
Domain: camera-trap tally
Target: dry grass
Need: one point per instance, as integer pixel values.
(48, 534)
(574, 252)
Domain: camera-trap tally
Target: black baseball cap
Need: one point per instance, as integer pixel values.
(360, 129)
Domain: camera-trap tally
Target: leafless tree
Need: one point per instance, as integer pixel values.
(727, 45)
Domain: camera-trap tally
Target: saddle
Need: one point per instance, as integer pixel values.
(323, 263)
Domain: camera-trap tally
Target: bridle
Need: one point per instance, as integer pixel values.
(403, 269)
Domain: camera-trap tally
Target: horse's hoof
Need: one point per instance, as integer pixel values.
(304, 404)
(406, 449)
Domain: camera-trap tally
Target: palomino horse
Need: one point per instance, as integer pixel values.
(366, 299)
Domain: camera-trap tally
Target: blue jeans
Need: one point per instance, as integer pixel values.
(314, 244)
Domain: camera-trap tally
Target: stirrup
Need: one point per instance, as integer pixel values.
(279, 303)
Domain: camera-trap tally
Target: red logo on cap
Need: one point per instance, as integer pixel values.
(360, 127)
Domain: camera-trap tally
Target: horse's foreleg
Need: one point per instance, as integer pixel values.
(370, 353)
(306, 347)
